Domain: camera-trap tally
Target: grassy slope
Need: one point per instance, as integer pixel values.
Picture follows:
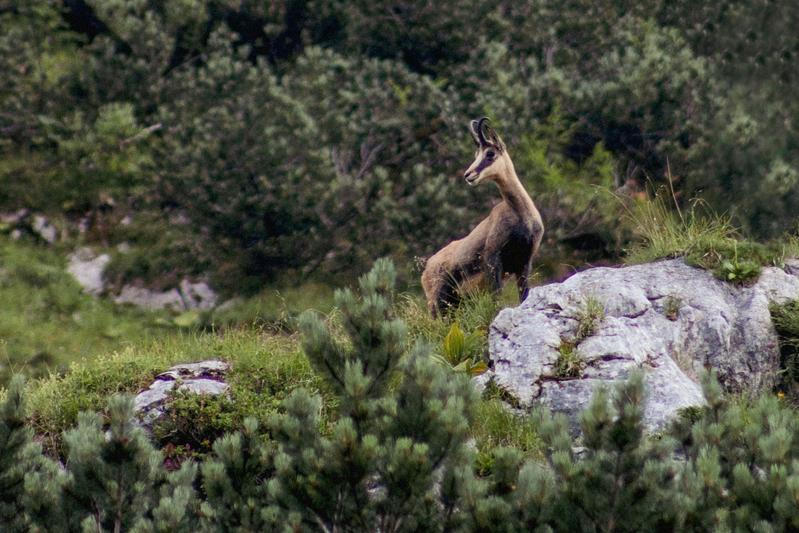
(115, 349)
(265, 367)
(80, 350)
(46, 321)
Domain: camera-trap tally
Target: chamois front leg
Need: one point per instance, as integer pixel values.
(492, 270)
(522, 280)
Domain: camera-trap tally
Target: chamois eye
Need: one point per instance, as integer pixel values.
(491, 154)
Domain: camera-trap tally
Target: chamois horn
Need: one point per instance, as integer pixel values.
(477, 131)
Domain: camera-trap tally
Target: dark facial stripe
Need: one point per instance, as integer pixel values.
(483, 164)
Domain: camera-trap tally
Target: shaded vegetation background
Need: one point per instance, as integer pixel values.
(250, 140)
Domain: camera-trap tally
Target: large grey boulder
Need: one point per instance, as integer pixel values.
(668, 319)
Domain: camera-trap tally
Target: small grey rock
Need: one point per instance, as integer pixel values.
(149, 299)
(205, 377)
(44, 229)
(197, 295)
(87, 269)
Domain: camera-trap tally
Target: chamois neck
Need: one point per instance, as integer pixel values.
(512, 191)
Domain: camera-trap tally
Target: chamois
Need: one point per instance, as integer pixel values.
(503, 243)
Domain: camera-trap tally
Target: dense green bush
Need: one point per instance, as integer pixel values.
(316, 135)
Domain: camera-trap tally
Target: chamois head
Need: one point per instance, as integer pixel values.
(491, 159)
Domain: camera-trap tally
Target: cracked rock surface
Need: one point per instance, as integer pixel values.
(667, 318)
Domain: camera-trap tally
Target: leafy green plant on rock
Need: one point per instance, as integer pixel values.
(671, 307)
(588, 317)
(569, 364)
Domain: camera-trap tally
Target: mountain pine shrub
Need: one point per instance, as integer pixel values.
(742, 464)
(21, 464)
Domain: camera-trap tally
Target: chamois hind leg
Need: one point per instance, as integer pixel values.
(431, 284)
(441, 298)
(440, 290)
(448, 299)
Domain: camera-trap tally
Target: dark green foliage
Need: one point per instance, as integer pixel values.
(623, 481)
(195, 421)
(394, 457)
(20, 458)
(234, 482)
(742, 471)
(786, 321)
(377, 466)
(315, 135)
(116, 480)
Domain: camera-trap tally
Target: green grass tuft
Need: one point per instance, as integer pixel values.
(671, 307)
(588, 318)
(472, 317)
(274, 308)
(569, 364)
(705, 239)
(493, 425)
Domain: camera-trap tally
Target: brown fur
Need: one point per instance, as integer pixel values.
(503, 243)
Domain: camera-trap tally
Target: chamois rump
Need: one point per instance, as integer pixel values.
(503, 243)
